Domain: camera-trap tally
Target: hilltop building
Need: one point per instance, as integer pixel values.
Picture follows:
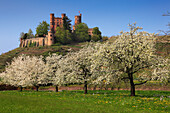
(49, 39)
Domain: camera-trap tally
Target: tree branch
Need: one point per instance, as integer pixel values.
(146, 66)
(124, 78)
(141, 83)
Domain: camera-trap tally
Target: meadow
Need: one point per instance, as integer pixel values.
(99, 101)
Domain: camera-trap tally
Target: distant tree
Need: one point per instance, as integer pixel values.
(67, 24)
(42, 28)
(25, 36)
(81, 32)
(63, 36)
(96, 31)
(104, 38)
(30, 34)
(22, 35)
(96, 34)
(95, 37)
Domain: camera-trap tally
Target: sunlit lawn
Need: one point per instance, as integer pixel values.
(77, 102)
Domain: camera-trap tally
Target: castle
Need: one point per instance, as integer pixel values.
(49, 39)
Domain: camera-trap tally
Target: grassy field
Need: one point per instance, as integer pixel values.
(77, 102)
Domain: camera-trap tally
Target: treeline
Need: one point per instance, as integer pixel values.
(41, 31)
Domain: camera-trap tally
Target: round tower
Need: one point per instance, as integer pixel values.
(50, 38)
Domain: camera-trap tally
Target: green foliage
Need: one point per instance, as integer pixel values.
(95, 37)
(42, 28)
(63, 36)
(94, 102)
(30, 34)
(32, 44)
(67, 24)
(104, 38)
(56, 44)
(22, 35)
(96, 34)
(81, 32)
(25, 36)
(96, 31)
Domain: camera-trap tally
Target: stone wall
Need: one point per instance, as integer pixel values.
(39, 41)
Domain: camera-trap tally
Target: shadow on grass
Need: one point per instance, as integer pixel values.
(125, 93)
(114, 93)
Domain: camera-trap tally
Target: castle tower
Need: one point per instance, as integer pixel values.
(63, 15)
(52, 22)
(50, 40)
(77, 19)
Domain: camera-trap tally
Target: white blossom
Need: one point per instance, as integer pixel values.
(24, 71)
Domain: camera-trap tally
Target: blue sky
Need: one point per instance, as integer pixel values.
(111, 16)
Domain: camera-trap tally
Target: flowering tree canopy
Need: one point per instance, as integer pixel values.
(131, 53)
(25, 71)
(77, 65)
(53, 70)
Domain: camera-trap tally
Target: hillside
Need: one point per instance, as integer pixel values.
(162, 47)
(59, 49)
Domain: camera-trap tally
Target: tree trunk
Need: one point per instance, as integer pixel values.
(112, 88)
(85, 87)
(106, 88)
(101, 86)
(37, 88)
(132, 89)
(56, 88)
(94, 88)
(21, 88)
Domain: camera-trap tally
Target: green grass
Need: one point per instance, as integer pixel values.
(77, 102)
